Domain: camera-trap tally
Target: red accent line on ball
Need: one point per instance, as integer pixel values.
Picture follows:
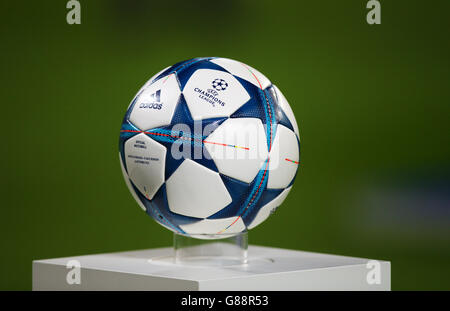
(289, 160)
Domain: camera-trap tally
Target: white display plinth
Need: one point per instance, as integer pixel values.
(267, 269)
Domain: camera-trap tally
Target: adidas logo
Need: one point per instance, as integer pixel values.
(155, 101)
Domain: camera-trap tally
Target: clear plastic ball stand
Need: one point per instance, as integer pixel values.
(207, 250)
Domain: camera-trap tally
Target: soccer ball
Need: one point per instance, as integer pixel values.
(209, 147)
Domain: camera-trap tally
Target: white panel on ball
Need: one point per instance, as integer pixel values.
(243, 71)
(145, 160)
(287, 109)
(195, 190)
(130, 187)
(213, 226)
(267, 209)
(206, 99)
(284, 150)
(245, 159)
(156, 104)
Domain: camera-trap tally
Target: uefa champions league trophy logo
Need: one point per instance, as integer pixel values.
(209, 147)
(220, 84)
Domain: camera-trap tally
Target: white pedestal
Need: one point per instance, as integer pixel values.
(267, 269)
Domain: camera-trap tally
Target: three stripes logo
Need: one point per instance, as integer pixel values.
(155, 102)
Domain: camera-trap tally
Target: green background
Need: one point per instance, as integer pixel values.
(372, 103)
